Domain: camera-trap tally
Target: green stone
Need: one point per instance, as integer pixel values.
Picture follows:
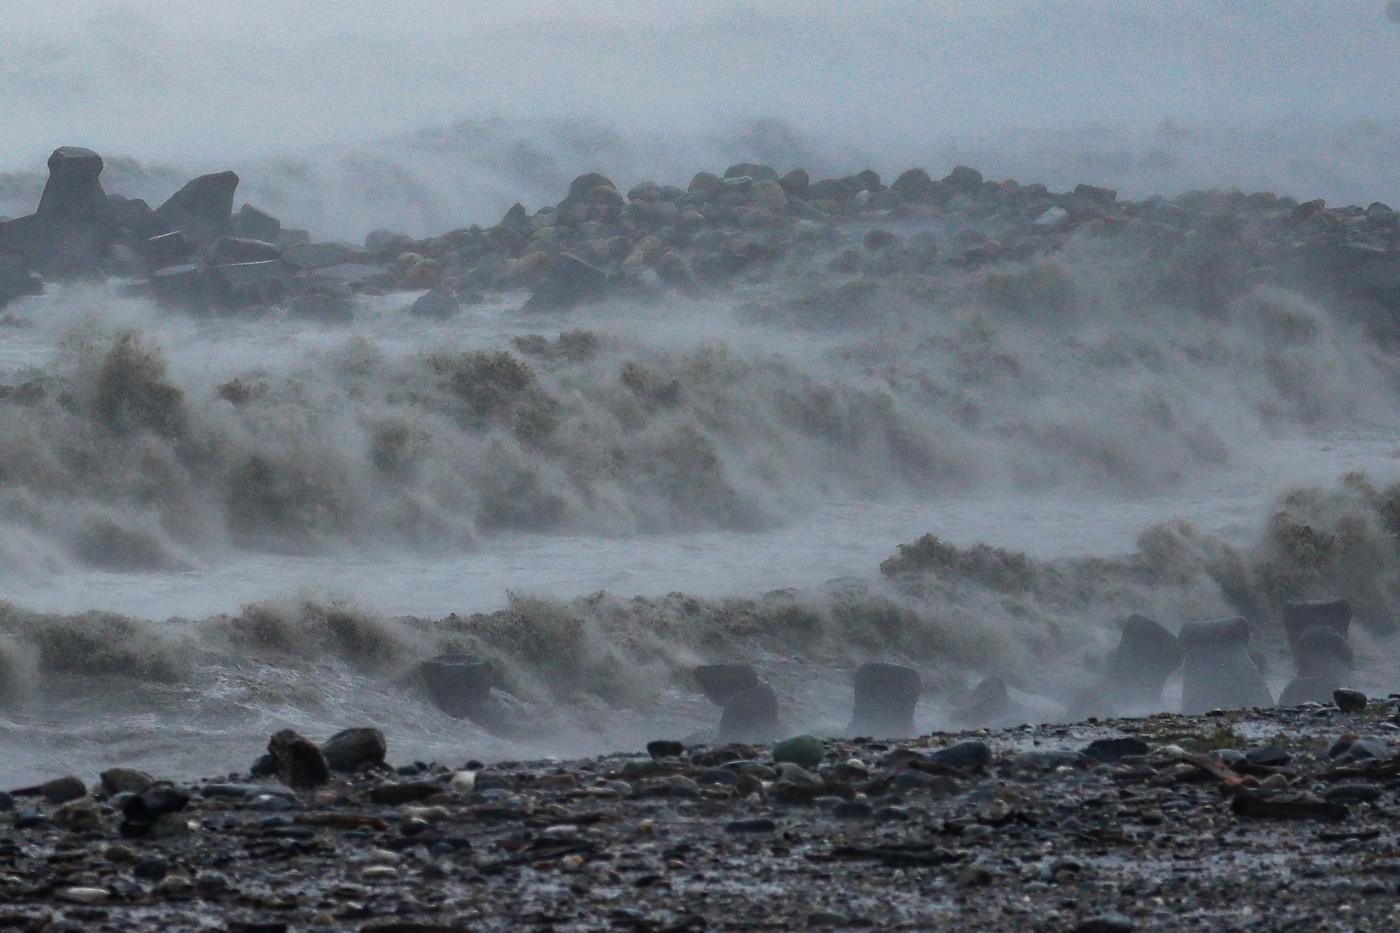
(805, 751)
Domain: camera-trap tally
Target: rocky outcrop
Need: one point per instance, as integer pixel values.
(203, 208)
(1217, 669)
(74, 226)
(885, 697)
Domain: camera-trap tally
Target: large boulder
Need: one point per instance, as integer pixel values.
(253, 224)
(74, 190)
(719, 682)
(203, 208)
(353, 749)
(1303, 615)
(1323, 660)
(989, 704)
(885, 697)
(569, 283)
(16, 277)
(74, 227)
(1135, 672)
(751, 716)
(300, 764)
(916, 185)
(438, 303)
(463, 686)
(1217, 670)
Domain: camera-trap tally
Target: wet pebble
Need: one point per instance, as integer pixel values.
(1348, 700)
(1353, 793)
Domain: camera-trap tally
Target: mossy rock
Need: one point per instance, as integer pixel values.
(805, 751)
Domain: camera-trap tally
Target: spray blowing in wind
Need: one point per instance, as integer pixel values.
(796, 394)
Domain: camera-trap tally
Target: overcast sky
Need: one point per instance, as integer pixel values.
(184, 80)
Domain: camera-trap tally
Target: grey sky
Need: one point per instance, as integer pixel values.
(188, 80)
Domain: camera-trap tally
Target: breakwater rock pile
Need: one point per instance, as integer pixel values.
(750, 224)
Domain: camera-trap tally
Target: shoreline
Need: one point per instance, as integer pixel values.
(1267, 818)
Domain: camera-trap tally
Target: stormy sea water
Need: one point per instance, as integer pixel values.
(216, 526)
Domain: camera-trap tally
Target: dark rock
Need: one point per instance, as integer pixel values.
(1253, 806)
(1047, 761)
(718, 776)
(228, 250)
(462, 685)
(153, 869)
(911, 779)
(74, 190)
(517, 220)
(352, 749)
(1116, 748)
(1095, 194)
(1359, 748)
(885, 697)
(62, 790)
(125, 781)
(7, 803)
(411, 792)
(264, 767)
(705, 183)
(916, 185)
(203, 208)
(832, 189)
(1353, 793)
(569, 283)
(1268, 756)
(1302, 616)
(647, 192)
(143, 810)
(1217, 669)
(310, 256)
(869, 180)
(387, 242)
(587, 183)
(1136, 671)
(438, 303)
(30, 819)
(805, 751)
(987, 704)
(1323, 660)
(964, 756)
(132, 218)
(719, 682)
(751, 170)
(300, 764)
(17, 279)
(662, 748)
(796, 183)
(168, 249)
(253, 224)
(1349, 701)
(74, 227)
(1106, 923)
(963, 180)
(750, 716)
(244, 284)
(758, 825)
(184, 287)
(853, 810)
